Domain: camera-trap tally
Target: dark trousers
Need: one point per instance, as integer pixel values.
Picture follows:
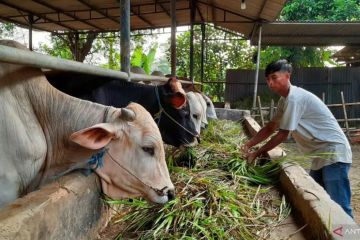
(334, 179)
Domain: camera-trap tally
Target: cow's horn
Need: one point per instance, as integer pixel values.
(127, 114)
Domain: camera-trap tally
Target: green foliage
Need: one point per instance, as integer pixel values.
(6, 30)
(58, 48)
(311, 10)
(136, 58)
(321, 10)
(220, 54)
(145, 61)
(107, 45)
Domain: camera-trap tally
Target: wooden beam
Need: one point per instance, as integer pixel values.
(141, 17)
(228, 11)
(100, 11)
(44, 3)
(6, 19)
(35, 14)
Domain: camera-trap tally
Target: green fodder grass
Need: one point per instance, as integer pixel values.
(219, 198)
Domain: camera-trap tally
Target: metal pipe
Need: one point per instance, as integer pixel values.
(33, 59)
(257, 68)
(125, 36)
(31, 21)
(192, 19)
(173, 37)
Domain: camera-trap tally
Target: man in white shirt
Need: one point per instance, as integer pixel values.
(314, 129)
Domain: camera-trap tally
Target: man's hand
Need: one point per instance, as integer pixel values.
(244, 149)
(248, 154)
(250, 157)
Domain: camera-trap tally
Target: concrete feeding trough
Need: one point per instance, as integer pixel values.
(68, 208)
(324, 218)
(71, 207)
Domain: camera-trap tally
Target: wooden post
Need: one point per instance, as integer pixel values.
(261, 114)
(173, 37)
(257, 68)
(202, 52)
(125, 36)
(323, 97)
(76, 46)
(345, 115)
(272, 109)
(31, 21)
(192, 20)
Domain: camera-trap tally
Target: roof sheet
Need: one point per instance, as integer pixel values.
(308, 34)
(104, 15)
(349, 54)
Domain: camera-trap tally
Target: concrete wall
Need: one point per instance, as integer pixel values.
(309, 200)
(68, 208)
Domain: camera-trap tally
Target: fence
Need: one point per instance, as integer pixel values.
(352, 131)
(326, 83)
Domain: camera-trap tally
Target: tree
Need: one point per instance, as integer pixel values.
(75, 46)
(145, 61)
(223, 51)
(6, 30)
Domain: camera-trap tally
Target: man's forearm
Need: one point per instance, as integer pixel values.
(263, 134)
(274, 141)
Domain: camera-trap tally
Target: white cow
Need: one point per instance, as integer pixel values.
(196, 110)
(204, 121)
(44, 132)
(210, 109)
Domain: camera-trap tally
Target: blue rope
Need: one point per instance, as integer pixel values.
(97, 160)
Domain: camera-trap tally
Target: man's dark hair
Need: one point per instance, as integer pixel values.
(281, 65)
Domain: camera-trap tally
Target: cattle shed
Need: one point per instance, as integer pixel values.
(308, 33)
(71, 197)
(240, 16)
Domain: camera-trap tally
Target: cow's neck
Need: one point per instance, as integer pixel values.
(60, 115)
(120, 93)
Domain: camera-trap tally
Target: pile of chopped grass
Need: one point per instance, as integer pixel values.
(219, 198)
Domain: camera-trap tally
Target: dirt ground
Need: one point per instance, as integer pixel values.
(291, 150)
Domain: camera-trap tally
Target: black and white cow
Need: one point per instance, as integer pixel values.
(170, 109)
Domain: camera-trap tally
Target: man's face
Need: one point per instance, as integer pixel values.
(279, 82)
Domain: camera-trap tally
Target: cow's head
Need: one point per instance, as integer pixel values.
(176, 125)
(196, 110)
(204, 121)
(210, 109)
(134, 162)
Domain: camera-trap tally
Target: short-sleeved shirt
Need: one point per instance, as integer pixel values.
(313, 127)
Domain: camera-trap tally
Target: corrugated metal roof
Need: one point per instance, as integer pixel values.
(309, 34)
(348, 55)
(104, 15)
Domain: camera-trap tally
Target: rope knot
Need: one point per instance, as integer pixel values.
(97, 160)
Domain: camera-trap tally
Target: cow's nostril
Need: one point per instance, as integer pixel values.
(171, 194)
(198, 139)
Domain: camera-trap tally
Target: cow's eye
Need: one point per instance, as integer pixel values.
(149, 150)
(195, 116)
(208, 104)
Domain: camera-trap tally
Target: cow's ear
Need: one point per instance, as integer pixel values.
(178, 100)
(95, 137)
